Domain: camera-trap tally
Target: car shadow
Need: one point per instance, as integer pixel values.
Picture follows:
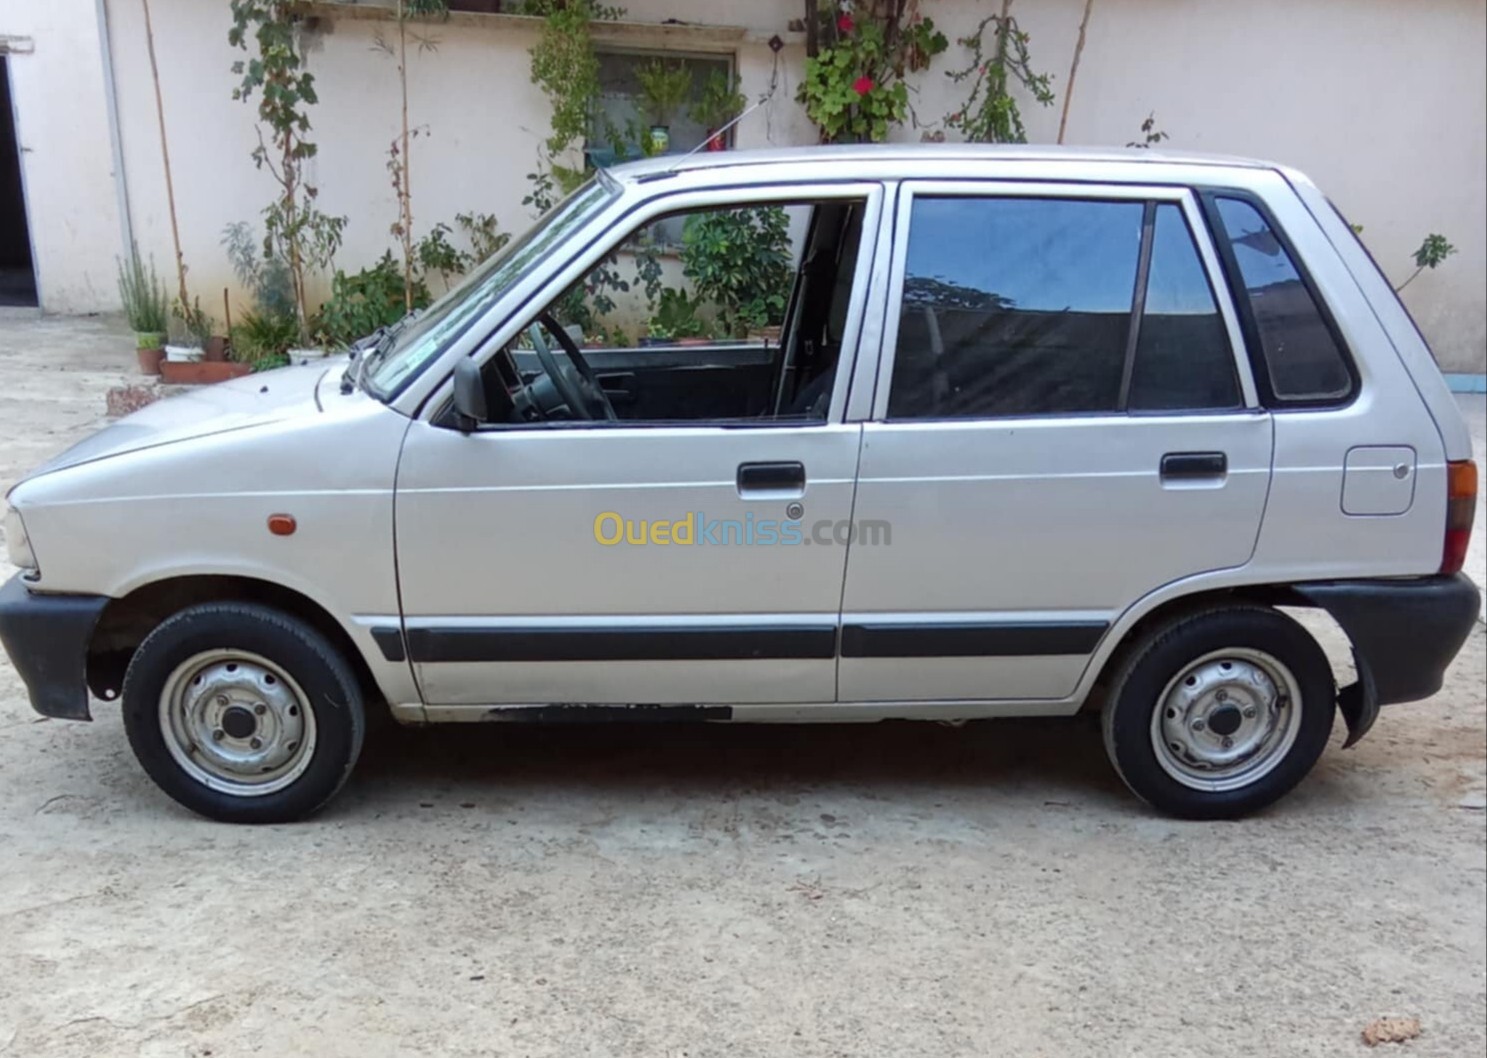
(1053, 759)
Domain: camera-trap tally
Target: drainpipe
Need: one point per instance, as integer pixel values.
(116, 141)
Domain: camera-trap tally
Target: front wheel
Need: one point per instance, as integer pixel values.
(1219, 713)
(242, 713)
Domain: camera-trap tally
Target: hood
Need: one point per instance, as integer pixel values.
(255, 400)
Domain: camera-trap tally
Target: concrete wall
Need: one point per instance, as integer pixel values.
(1383, 102)
(66, 154)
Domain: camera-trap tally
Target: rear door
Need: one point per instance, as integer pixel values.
(1060, 425)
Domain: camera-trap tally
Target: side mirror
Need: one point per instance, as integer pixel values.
(469, 396)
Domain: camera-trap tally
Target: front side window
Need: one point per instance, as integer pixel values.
(734, 314)
(1303, 361)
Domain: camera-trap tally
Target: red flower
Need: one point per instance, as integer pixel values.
(863, 85)
(845, 25)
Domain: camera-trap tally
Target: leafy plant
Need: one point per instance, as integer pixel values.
(483, 232)
(435, 253)
(266, 279)
(1151, 135)
(664, 86)
(565, 66)
(264, 338)
(990, 113)
(676, 316)
(142, 294)
(196, 325)
(853, 86)
(366, 300)
(739, 259)
(719, 102)
(295, 230)
(1432, 252)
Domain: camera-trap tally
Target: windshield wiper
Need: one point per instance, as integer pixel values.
(380, 343)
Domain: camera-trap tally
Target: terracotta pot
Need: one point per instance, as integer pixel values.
(201, 372)
(716, 141)
(216, 349)
(149, 360)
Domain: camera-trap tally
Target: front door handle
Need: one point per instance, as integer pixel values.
(771, 480)
(1185, 466)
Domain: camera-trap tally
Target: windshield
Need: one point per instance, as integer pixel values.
(391, 368)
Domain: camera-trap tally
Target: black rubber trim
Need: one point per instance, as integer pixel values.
(683, 643)
(966, 640)
(390, 641)
(1405, 633)
(47, 638)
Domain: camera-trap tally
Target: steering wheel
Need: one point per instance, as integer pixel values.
(575, 381)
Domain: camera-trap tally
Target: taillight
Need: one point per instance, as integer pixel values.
(1461, 508)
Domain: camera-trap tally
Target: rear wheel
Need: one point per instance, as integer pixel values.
(242, 713)
(1219, 713)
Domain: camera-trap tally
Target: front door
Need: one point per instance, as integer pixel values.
(1060, 427)
(659, 557)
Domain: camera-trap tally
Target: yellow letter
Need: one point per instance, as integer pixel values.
(676, 531)
(660, 533)
(599, 533)
(630, 533)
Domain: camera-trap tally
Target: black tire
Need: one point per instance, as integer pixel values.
(329, 689)
(1162, 654)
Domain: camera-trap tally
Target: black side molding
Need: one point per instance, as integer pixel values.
(967, 640)
(47, 638)
(680, 643)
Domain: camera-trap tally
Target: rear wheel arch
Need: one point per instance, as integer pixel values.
(126, 621)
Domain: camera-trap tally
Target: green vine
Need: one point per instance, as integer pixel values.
(296, 231)
(990, 113)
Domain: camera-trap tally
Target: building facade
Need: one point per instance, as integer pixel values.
(1383, 102)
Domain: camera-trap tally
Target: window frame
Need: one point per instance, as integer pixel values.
(438, 407)
(1233, 279)
(1150, 194)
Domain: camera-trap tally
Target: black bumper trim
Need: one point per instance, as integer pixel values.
(1405, 633)
(47, 638)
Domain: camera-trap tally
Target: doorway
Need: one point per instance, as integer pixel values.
(17, 270)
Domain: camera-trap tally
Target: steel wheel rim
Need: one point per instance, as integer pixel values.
(237, 723)
(1226, 720)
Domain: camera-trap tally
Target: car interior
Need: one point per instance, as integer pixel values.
(551, 374)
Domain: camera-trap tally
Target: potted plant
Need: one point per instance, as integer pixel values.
(664, 87)
(675, 320)
(719, 103)
(143, 298)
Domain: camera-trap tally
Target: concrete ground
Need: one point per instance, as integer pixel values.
(706, 891)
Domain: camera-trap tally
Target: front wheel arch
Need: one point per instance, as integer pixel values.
(127, 621)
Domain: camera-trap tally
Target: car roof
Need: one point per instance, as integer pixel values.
(888, 160)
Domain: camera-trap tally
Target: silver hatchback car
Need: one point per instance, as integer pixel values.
(935, 433)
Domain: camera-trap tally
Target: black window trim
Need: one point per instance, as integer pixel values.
(1254, 347)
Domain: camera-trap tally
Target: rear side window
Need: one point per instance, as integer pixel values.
(1033, 306)
(1302, 359)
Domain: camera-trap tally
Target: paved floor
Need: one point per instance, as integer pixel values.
(881, 890)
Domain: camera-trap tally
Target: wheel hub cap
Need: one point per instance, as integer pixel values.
(1226, 720)
(237, 723)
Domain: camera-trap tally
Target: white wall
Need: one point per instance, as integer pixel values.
(1383, 102)
(66, 153)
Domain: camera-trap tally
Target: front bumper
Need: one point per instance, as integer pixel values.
(47, 638)
(1405, 634)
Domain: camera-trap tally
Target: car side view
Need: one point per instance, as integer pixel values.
(991, 432)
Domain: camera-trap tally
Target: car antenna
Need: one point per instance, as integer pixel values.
(775, 45)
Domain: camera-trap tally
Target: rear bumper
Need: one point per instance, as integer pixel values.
(1405, 634)
(47, 638)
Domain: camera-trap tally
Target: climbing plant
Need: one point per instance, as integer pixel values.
(858, 56)
(999, 61)
(296, 230)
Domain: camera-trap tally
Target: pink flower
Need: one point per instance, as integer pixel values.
(845, 25)
(863, 85)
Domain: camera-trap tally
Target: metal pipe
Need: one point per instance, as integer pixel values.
(116, 141)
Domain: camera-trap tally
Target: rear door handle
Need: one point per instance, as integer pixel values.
(1180, 466)
(771, 479)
